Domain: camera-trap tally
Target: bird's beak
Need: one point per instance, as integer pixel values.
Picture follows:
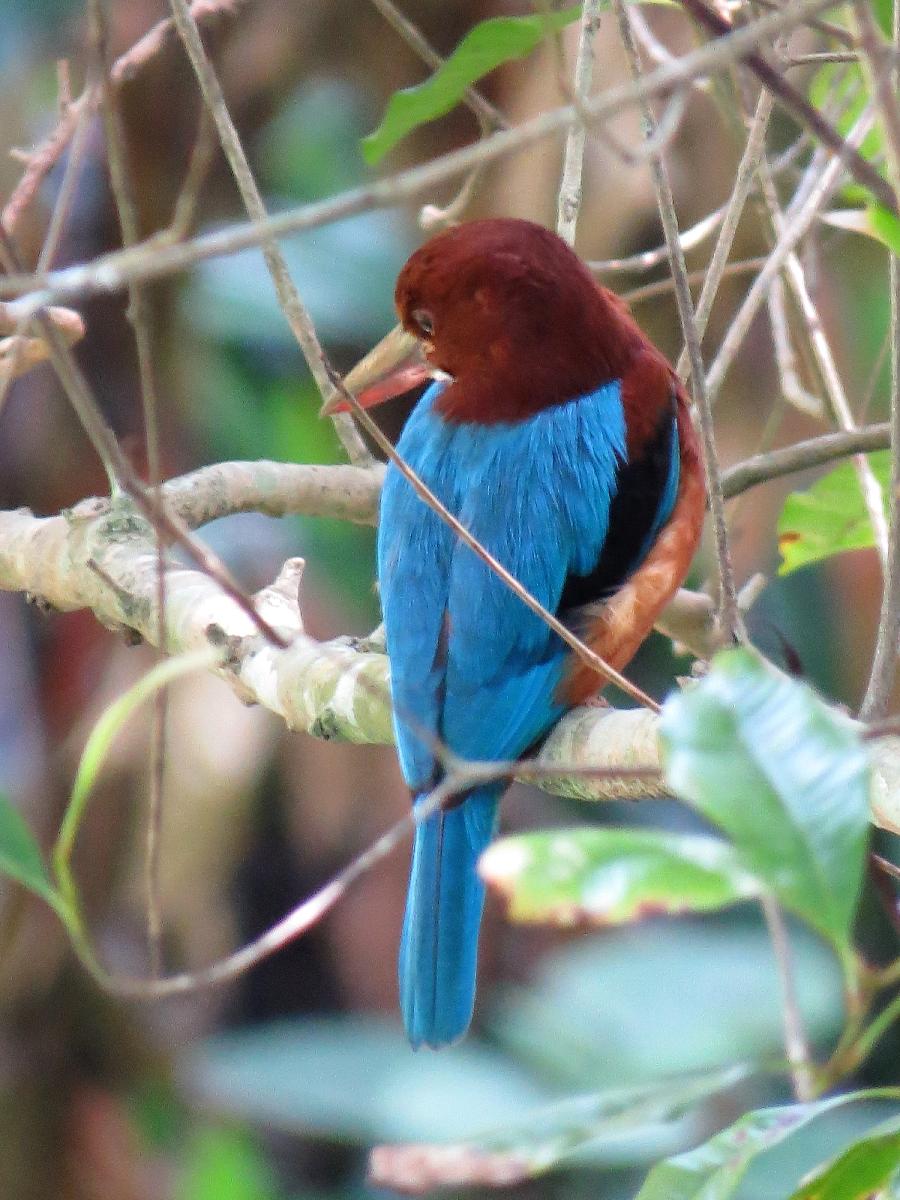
(396, 365)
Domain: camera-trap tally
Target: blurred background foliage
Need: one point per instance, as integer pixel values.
(272, 1088)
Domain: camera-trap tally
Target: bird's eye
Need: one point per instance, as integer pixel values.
(424, 320)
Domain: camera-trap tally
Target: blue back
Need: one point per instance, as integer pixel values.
(468, 660)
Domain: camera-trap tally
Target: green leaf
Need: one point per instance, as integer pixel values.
(613, 876)
(586, 1018)
(785, 777)
(884, 14)
(103, 735)
(485, 47)
(714, 1170)
(547, 1138)
(357, 1079)
(862, 1170)
(20, 856)
(225, 1164)
(885, 226)
(829, 517)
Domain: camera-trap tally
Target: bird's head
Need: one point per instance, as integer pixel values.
(511, 314)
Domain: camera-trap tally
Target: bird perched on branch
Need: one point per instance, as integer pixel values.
(560, 438)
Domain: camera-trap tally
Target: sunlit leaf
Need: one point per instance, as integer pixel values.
(786, 778)
(857, 1174)
(484, 48)
(830, 516)
(547, 1138)
(20, 856)
(613, 876)
(714, 1170)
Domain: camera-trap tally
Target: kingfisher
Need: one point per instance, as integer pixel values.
(561, 439)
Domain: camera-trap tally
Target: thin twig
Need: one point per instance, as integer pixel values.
(795, 1041)
(139, 317)
(202, 154)
(648, 259)
(662, 287)
(731, 216)
(762, 468)
(569, 203)
(729, 610)
(88, 412)
(871, 385)
(310, 912)
(819, 57)
(55, 227)
(289, 298)
(792, 390)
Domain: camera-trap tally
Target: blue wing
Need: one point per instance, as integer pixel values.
(469, 661)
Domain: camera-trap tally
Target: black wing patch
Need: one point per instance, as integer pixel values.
(640, 487)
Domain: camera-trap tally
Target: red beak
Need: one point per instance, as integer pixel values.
(391, 368)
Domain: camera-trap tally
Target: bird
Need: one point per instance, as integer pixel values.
(561, 438)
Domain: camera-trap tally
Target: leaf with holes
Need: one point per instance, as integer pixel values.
(546, 1139)
(613, 876)
(714, 1170)
(829, 517)
(484, 48)
(20, 856)
(784, 776)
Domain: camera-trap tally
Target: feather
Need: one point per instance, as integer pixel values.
(439, 942)
(537, 495)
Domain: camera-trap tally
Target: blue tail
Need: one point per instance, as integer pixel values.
(439, 943)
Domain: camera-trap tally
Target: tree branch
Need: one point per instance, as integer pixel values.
(815, 452)
(101, 555)
(569, 203)
(276, 489)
